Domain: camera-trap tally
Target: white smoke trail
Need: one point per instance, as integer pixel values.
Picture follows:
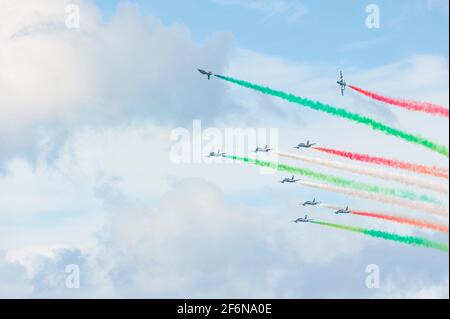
(429, 208)
(440, 227)
(402, 178)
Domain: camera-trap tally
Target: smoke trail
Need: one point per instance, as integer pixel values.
(411, 240)
(428, 208)
(393, 218)
(339, 181)
(409, 105)
(422, 169)
(408, 180)
(343, 114)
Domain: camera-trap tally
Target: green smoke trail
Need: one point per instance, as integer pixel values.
(337, 180)
(342, 113)
(411, 240)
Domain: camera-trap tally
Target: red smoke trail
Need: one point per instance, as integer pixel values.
(403, 220)
(430, 170)
(410, 105)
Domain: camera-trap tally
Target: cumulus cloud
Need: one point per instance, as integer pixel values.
(416, 290)
(139, 225)
(292, 11)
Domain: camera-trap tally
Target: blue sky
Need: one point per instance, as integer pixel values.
(88, 176)
(330, 32)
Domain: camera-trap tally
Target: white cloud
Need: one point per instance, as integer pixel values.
(292, 11)
(416, 290)
(442, 4)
